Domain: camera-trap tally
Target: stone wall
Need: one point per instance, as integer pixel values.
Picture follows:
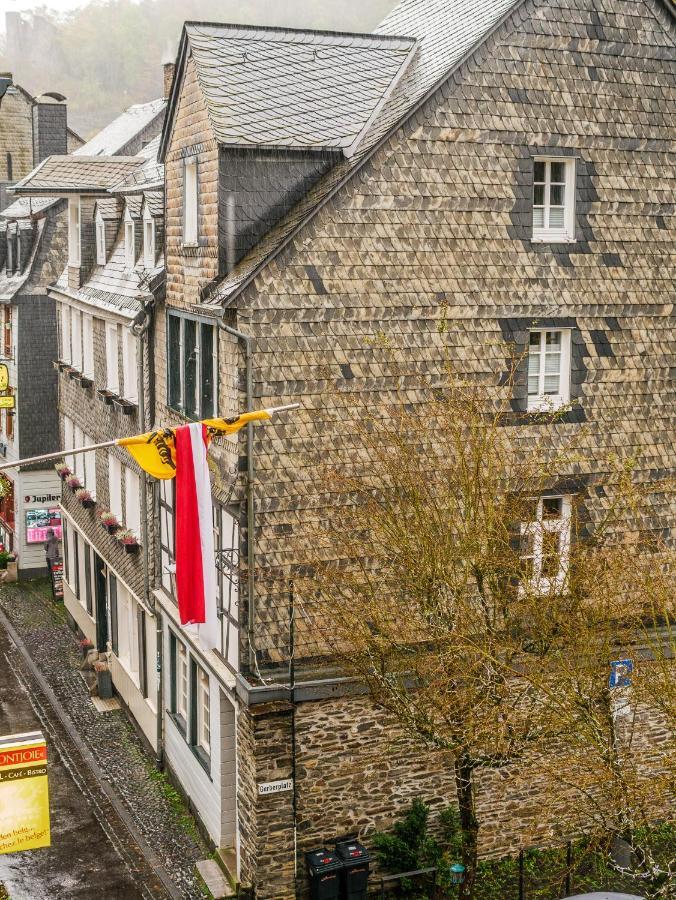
(357, 772)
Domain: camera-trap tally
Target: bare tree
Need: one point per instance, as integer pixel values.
(459, 582)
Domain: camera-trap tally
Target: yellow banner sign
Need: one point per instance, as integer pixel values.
(7, 402)
(24, 793)
(4, 377)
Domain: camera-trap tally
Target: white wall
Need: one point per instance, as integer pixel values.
(44, 490)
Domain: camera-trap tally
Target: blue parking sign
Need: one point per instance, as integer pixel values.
(620, 673)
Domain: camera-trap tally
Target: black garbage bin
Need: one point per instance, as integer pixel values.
(323, 869)
(356, 865)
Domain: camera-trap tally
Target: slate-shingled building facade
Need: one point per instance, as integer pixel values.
(514, 178)
(505, 169)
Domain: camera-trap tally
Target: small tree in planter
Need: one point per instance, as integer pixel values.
(85, 646)
(128, 539)
(104, 680)
(73, 483)
(109, 521)
(62, 471)
(85, 498)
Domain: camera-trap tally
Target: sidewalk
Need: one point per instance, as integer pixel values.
(153, 806)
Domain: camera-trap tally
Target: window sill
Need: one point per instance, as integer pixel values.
(552, 239)
(106, 396)
(190, 245)
(548, 406)
(127, 407)
(179, 722)
(202, 758)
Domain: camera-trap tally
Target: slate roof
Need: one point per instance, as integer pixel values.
(114, 137)
(25, 207)
(149, 175)
(112, 286)
(81, 174)
(10, 284)
(446, 32)
(279, 87)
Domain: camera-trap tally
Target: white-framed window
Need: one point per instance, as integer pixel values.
(554, 199)
(76, 338)
(127, 630)
(132, 498)
(190, 204)
(87, 345)
(112, 358)
(546, 544)
(192, 377)
(115, 487)
(68, 440)
(548, 368)
(65, 333)
(166, 533)
(226, 545)
(100, 226)
(148, 239)
(74, 231)
(129, 367)
(202, 737)
(129, 240)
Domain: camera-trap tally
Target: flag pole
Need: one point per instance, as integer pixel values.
(59, 454)
(18, 463)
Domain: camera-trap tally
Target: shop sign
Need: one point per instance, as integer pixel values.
(42, 498)
(39, 521)
(24, 793)
(4, 377)
(7, 402)
(57, 578)
(275, 787)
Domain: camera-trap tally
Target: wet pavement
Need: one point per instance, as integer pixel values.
(82, 860)
(144, 842)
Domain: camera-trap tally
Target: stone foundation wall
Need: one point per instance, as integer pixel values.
(356, 772)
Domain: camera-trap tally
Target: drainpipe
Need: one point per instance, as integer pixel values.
(140, 327)
(246, 341)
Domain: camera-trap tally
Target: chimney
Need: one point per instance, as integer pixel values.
(168, 69)
(50, 127)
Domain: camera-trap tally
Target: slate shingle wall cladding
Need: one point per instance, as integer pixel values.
(425, 234)
(16, 136)
(264, 186)
(189, 269)
(49, 130)
(35, 350)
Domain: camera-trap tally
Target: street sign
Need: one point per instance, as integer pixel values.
(4, 377)
(620, 673)
(24, 792)
(7, 402)
(275, 787)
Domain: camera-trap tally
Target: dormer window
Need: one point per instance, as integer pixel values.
(129, 241)
(74, 231)
(100, 240)
(190, 201)
(148, 239)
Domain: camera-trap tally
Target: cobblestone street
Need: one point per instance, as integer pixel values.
(118, 827)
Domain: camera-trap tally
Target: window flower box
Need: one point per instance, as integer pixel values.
(106, 396)
(85, 498)
(128, 540)
(74, 483)
(63, 471)
(109, 521)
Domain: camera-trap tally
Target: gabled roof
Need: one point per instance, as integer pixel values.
(121, 131)
(73, 174)
(280, 87)
(149, 176)
(447, 32)
(25, 207)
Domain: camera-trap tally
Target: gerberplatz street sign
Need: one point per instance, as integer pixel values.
(24, 792)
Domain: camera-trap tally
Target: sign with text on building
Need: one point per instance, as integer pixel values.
(24, 793)
(7, 402)
(4, 377)
(275, 787)
(38, 523)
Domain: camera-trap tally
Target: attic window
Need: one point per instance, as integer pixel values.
(100, 240)
(190, 202)
(129, 241)
(148, 240)
(74, 231)
(554, 200)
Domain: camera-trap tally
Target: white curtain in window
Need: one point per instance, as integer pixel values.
(112, 355)
(87, 345)
(129, 367)
(132, 491)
